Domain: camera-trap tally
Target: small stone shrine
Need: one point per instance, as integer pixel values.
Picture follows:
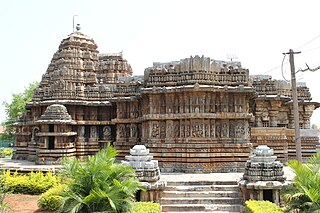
(141, 161)
(147, 171)
(263, 177)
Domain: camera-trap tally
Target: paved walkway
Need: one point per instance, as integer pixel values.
(23, 165)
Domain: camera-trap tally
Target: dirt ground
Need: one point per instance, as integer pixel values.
(23, 203)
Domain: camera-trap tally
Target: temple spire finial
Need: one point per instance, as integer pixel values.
(78, 25)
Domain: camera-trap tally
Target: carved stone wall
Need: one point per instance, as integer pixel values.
(196, 114)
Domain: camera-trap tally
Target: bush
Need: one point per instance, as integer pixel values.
(5, 152)
(52, 199)
(32, 183)
(261, 206)
(146, 207)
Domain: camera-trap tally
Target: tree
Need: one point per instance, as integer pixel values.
(16, 108)
(304, 195)
(98, 184)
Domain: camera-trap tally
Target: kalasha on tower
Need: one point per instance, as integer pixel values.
(195, 115)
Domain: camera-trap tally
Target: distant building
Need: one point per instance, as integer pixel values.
(195, 114)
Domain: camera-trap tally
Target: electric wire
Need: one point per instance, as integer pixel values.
(305, 44)
(284, 57)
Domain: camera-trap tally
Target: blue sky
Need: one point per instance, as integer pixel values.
(257, 32)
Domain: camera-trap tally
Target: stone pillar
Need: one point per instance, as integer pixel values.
(258, 119)
(273, 118)
(276, 196)
(260, 194)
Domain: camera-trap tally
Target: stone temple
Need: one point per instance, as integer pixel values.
(194, 115)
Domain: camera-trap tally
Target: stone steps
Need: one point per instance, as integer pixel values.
(201, 196)
(202, 208)
(203, 188)
(201, 200)
(194, 183)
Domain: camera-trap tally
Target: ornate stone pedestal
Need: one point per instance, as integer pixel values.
(147, 171)
(263, 177)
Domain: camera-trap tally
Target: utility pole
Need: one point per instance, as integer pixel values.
(295, 104)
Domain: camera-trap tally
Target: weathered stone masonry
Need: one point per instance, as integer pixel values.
(195, 115)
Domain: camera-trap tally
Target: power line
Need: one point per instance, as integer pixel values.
(284, 56)
(305, 44)
(312, 49)
(318, 36)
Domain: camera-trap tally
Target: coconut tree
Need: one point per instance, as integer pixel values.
(98, 184)
(304, 194)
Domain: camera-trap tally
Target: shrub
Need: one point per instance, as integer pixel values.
(52, 199)
(261, 206)
(146, 207)
(32, 183)
(5, 152)
(99, 184)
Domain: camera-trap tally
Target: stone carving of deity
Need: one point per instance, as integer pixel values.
(155, 130)
(224, 131)
(182, 130)
(107, 133)
(187, 131)
(206, 131)
(239, 131)
(218, 131)
(122, 131)
(212, 131)
(93, 132)
(134, 132)
(35, 137)
(176, 130)
(81, 131)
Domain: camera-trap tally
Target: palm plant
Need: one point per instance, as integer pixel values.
(99, 185)
(304, 195)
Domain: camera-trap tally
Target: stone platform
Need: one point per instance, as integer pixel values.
(25, 166)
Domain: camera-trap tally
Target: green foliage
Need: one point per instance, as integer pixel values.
(15, 109)
(98, 184)
(304, 195)
(32, 183)
(146, 207)
(5, 152)
(3, 192)
(52, 199)
(261, 206)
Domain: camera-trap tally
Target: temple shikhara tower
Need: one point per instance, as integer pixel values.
(194, 115)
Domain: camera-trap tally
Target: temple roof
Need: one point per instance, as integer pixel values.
(56, 113)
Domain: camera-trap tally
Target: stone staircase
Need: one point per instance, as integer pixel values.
(201, 196)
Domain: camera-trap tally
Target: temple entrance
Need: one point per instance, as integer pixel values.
(51, 142)
(267, 195)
